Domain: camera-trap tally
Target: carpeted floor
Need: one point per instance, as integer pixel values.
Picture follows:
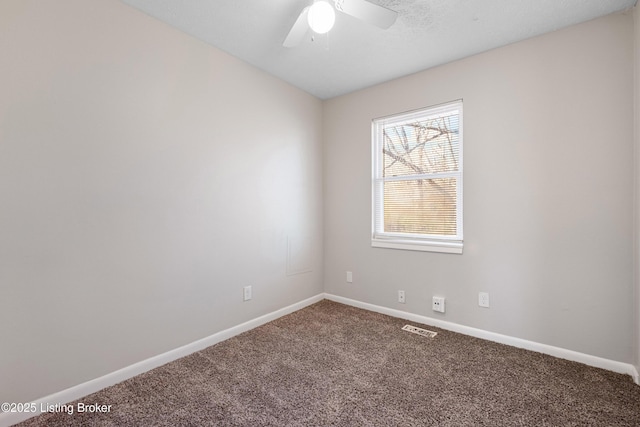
(335, 365)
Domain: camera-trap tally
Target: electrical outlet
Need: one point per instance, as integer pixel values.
(483, 299)
(438, 304)
(349, 277)
(401, 297)
(247, 293)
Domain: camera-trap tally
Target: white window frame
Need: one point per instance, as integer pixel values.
(408, 241)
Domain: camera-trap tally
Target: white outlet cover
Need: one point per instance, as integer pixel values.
(438, 304)
(483, 299)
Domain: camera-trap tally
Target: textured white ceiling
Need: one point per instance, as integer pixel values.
(354, 55)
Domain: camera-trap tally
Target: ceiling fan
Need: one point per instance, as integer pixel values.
(320, 15)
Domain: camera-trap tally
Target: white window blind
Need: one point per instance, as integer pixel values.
(417, 179)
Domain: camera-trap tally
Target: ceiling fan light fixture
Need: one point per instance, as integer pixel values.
(321, 17)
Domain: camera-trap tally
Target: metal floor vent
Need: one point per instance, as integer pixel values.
(419, 331)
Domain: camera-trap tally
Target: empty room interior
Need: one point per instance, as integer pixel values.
(178, 175)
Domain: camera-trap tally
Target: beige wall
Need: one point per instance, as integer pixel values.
(548, 184)
(636, 118)
(145, 178)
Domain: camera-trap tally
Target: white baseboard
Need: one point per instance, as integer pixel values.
(77, 392)
(595, 361)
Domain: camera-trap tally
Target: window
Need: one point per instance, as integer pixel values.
(417, 180)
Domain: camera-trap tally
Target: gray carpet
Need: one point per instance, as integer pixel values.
(335, 365)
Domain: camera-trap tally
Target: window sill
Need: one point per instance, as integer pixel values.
(413, 245)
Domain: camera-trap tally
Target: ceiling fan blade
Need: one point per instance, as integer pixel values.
(368, 12)
(298, 31)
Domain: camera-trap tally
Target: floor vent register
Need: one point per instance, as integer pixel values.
(419, 331)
